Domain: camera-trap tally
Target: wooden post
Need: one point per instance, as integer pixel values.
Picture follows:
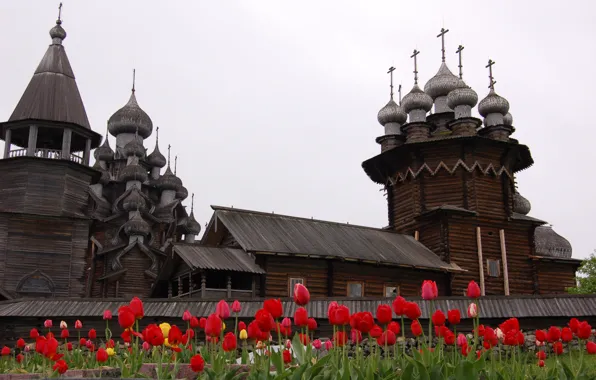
(117, 288)
(87, 152)
(203, 284)
(7, 139)
(190, 284)
(66, 139)
(229, 286)
(416, 235)
(169, 289)
(480, 262)
(504, 257)
(32, 142)
(180, 289)
(254, 286)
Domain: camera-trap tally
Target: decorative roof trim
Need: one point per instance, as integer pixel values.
(413, 174)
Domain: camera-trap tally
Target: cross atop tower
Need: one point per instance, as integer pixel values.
(399, 92)
(133, 79)
(175, 163)
(490, 74)
(157, 134)
(390, 72)
(442, 35)
(169, 147)
(192, 203)
(416, 52)
(458, 51)
(60, 13)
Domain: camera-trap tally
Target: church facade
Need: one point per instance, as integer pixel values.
(118, 228)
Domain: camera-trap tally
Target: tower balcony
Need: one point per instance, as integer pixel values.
(53, 154)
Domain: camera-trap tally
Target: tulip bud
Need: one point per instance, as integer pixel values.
(243, 334)
(236, 307)
(286, 322)
(472, 310)
(78, 324)
(328, 345)
(288, 344)
(186, 316)
(107, 315)
(317, 344)
(63, 325)
(47, 324)
(461, 340)
(146, 346)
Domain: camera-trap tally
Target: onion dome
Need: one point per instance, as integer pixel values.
(182, 193)
(57, 32)
(462, 95)
(156, 159)
(136, 225)
(508, 119)
(105, 176)
(416, 99)
(392, 113)
(168, 181)
(134, 201)
(129, 119)
(442, 83)
(104, 152)
(521, 204)
(493, 103)
(549, 243)
(133, 173)
(191, 226)
(134, 147)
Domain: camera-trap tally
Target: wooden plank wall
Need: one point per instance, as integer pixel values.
(281, 268)
(555, 277)
(134, 282)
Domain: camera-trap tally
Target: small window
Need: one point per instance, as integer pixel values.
(293, 281)
(391, 291)
(493, 268)
(355, 289)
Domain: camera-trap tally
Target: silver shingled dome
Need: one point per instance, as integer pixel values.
(549, 243)
(462, 95)
(416, 99)
(191, 225)
(521, 204)
(168, 181)
(392, 113)
(156, 159)
(57, 31)
(133, 173)
(137, 225)
(129, 119)
(104, 152)
(508, 119)
(493, 103)
(442, 83)
(135, 148)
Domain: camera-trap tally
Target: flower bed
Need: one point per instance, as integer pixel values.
(362, 346)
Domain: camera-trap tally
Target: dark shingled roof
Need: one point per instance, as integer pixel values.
(52, 93)
(500, 307)
(273, 233)
(202, 257)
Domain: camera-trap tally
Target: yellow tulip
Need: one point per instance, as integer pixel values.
(165, 329)
(166, 343)
(110, 351)
(243, 334)
(223, 326)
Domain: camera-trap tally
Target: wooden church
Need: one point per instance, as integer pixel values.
(115, 226)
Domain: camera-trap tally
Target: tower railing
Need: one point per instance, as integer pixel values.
(53, 154)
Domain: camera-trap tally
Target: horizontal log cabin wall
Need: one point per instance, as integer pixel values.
(555, 277)
(43, 256)
(330, 278)
(134, 282)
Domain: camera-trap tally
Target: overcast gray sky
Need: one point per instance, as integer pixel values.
(271, 105)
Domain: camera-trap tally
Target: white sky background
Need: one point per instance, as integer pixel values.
(271, 105)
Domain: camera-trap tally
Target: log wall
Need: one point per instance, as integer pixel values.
(555, 277)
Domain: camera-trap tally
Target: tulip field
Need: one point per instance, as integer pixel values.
(362, 345)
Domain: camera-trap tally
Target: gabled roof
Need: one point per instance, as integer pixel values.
(281, 234)
(202, 257)
(52, 93)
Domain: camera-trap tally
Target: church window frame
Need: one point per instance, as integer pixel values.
(493, 268)
(392, 288)
(293, 281)
(349, 287)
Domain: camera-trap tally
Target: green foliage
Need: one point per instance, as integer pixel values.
(586, 277)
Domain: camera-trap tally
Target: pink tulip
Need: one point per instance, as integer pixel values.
(47, 324)
(461, 340)
(429, 290)
(288, 344)
(472, 310)
(146, 346)
(107, 315)
(186, 316)
(328, 345)
(286, 322)
(223, 309)
(78, 324)
(236, 306)
(316, 344)
(63, 325)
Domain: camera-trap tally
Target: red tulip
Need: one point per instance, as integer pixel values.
(540, 363)
(416, 328)
(304, 339)
(340, 338)
(574, 325)
(214, 325)
(454, 317)
(429, 290)
(362, 321)
(229, 342)
(541, 335)
(554, 334)
(136, 305)
(92, 334)
(566, 334)
(449, 337)
(312, 324)
(384, 314)
(340, 316)
(317, 344)
(236, 307)
(388, 337)
(101, 356)
(473, 290)
(21, 343)
(355, 336)
(241, 326)
(60, 366)
(153, 335)
(274, 307)
(412, 310)
(186, 316)
(395, 327)
(541, 355)
(399, 306)
(5, 351)
(107, 315)
(591, 348)
(126, 317)
(33, 334)
(287, 356)
(301, 317)
(584, 330)
(301, 295)
(20, 358)
(376, 331)
(47, 324)
(558, 348)
(202, 322)
(197, 363)
(264, 320)
(64, 334)
(194, 322)
(78, 324)
(438, 318)
(223, 309)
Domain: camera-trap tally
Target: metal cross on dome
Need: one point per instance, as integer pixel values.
(390, 72)
(60, 12)
(416, 52)
(442, 35)
(490, 74)
(458, 51)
